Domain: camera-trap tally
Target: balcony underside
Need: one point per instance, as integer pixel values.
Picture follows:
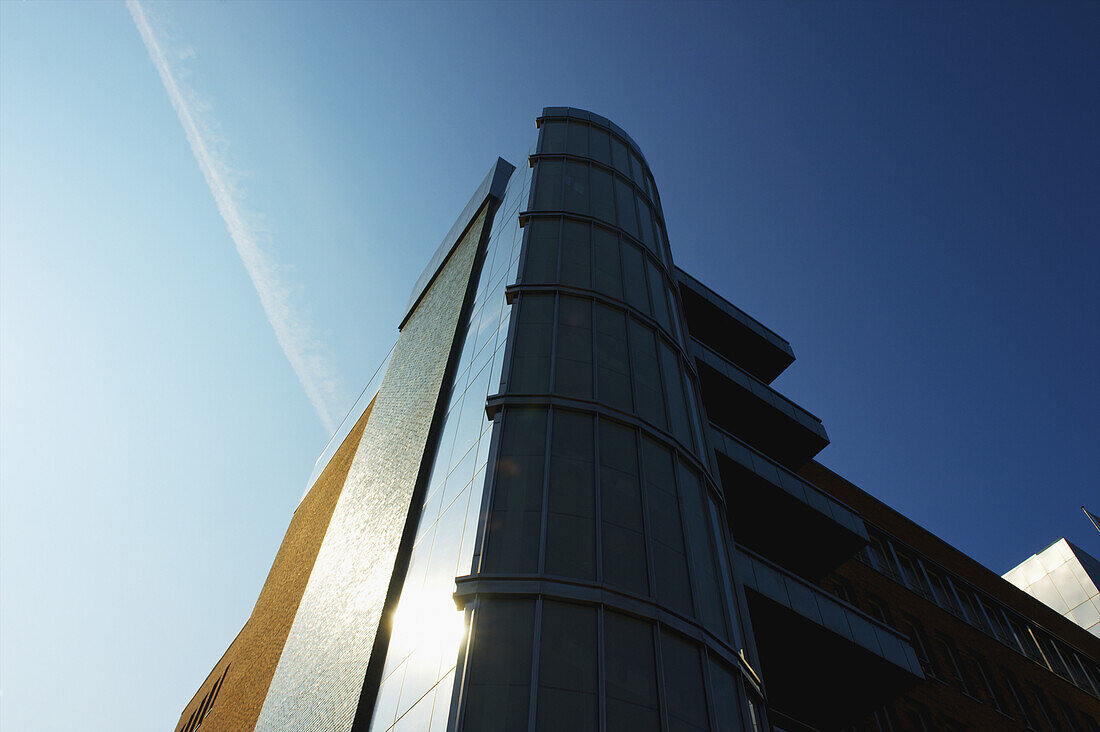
(779, 515)
(824, 663)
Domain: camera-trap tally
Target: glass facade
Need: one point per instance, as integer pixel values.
(428, 630)
(611, 605)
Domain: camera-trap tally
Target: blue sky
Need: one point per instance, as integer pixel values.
(908, 193)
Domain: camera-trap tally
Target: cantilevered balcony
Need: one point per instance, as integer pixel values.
(815, 650)
(752, 411)
(774, 512)
(711, 319)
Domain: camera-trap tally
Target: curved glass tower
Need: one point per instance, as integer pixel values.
(527, 523)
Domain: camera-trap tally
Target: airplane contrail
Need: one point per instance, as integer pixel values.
(292, 333)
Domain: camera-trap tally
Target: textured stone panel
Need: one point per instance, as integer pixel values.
(253, 655)
(320, 674)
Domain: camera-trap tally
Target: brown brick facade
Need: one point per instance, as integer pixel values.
(231, 696)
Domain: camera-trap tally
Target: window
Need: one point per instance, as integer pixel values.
(1017, 695)
(631, 680)
(611, 355)
(568, 692)
(515, 523)
(648, 398)
(571, 504)
(542, 251)
(624, 552)
(683, 681)
(573, 357)
(666, 533)
(576, 254)
(548, 178)
(500, 666)
(531, 350)
(954, 666)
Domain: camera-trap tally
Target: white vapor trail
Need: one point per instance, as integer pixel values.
(292, 333)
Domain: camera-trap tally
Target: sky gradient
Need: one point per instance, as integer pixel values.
(907, 193)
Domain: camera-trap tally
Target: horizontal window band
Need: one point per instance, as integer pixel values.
(496, 402)
(511, 291)
(537, 156)
(603, 123)
(471, 588)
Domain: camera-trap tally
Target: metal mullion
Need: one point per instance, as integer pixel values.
(460, 691)
(601, 671)
(541, 565)
(533, 695)
(662, 697)
(643, 496)
(597, 498)
(689, 556)
(708, 687)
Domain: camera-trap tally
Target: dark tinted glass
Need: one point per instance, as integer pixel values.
(576, 187)
(553, 137)
(620, 158)
(666, 533)
(624, 555)
(634, 283)
(567, 669)
(571, 521)
(646, 375)
(577, 143)
(611, 355)
(515, 521)
(657, 296)
(542, 251)
(724, 684)
(599, 146)
(708, 592)
(576, 262)
(607, 275)
(531, 351)
(603, 195)
(646, 224)
(573, 365)
(500, 666)
(683, 675)
(631, 682)
(624, 202)
(548, 185)
(677, 405)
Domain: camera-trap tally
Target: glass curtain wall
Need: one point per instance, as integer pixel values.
(428, 630)
(602, 597)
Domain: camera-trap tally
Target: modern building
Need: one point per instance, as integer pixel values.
(574, 502)
(1063, 576)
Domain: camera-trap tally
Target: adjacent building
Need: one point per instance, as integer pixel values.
(573, 501)
(1063, 576)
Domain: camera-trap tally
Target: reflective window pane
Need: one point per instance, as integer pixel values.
(573, 363)
(611, 355)
(677, 406)
(646, 375)
(542, 251)
(567, 698)
(576, 259)
(599, 145)
(657, 296)
(603, 196)
(548, 185)
(606, 250)
(631, 683)
(624, 203)
(634, 283)
(571, 521)
(666, 534)
(683, 676)
(531, 350)
(576, 187)
(577, 142)
(624, 555)
(500, 666)
(620, 158)
(553, 137)
(515, 521)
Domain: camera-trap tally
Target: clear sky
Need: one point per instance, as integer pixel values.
(910, 194)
